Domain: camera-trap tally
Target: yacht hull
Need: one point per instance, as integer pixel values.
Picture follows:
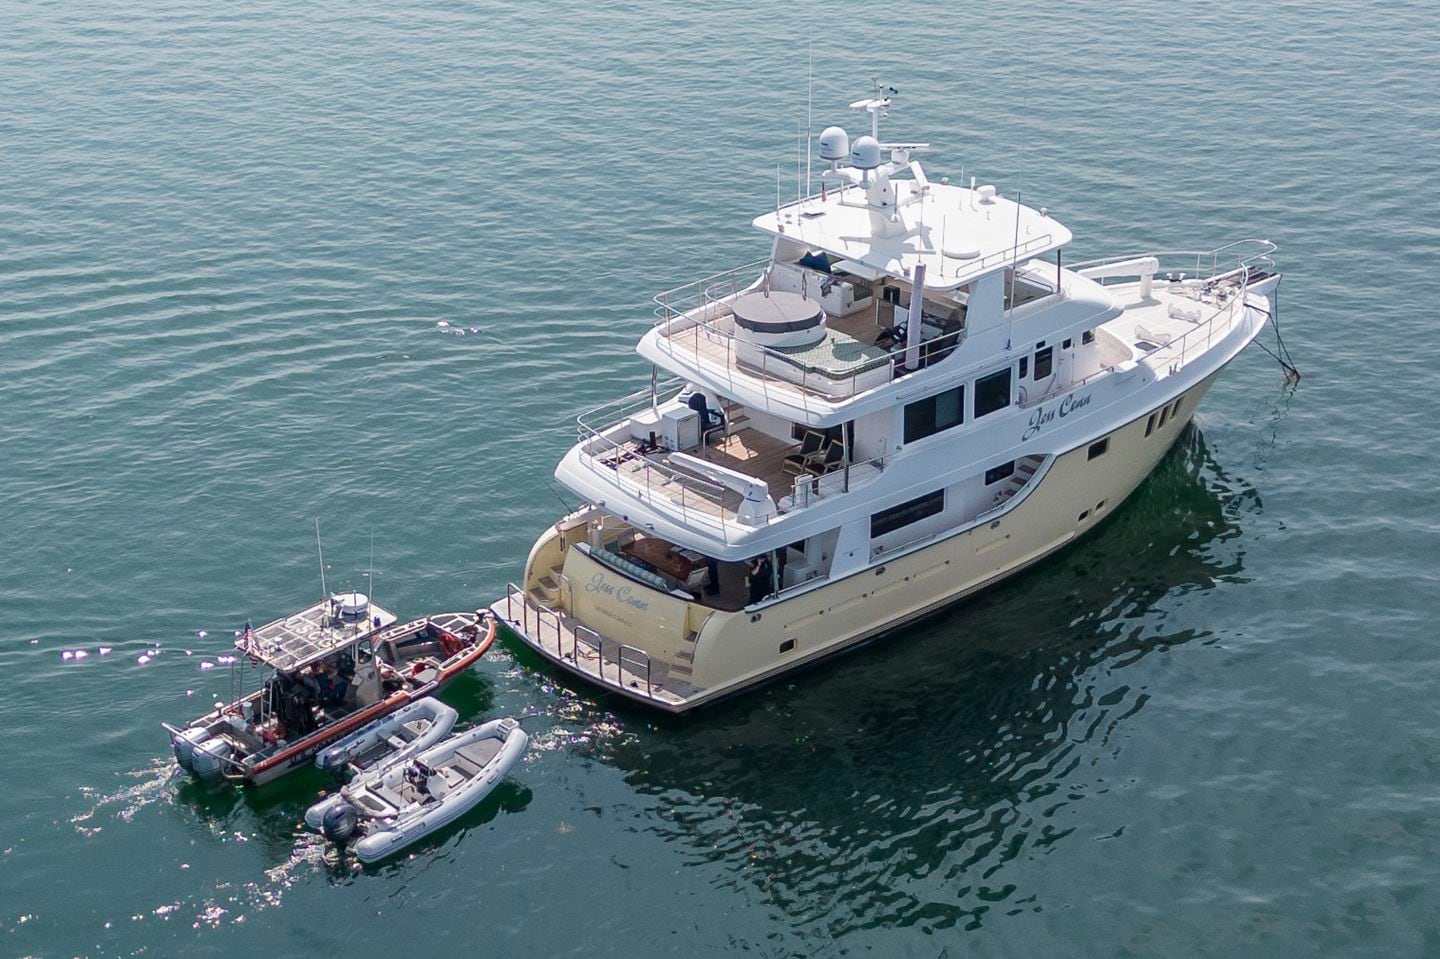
(736, 651)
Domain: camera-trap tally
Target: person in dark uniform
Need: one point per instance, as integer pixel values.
(760, 579)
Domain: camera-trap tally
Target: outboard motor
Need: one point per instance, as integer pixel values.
(209, 758)
(184, 744)
(340, 823)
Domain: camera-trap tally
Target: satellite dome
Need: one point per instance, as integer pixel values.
(834, 144)
(865, 153)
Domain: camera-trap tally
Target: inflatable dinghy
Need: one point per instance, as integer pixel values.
(403, 800)
(404, 733)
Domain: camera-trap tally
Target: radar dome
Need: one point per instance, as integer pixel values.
(865, 153)
(834, 144)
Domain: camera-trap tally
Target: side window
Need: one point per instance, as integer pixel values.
(1099, 448)
(1150, 425)
(1024, 366)
(911, 511)
(996, 473)
(992, 392)
(934, 413)
(1087, 337)
(1044, 361)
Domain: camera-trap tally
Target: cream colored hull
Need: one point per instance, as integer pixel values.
(695, 655)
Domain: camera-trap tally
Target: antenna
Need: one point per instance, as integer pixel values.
(372, 564)
(1014, 255)
(798, 185)
(809, 120)
(324, 593)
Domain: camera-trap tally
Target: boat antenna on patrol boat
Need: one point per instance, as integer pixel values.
(324, 594)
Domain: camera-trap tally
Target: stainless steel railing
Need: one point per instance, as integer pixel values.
(626, 656)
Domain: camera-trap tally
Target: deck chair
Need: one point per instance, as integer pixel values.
(833, 459)
(811, 452)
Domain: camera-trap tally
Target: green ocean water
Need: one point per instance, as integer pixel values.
(227, 236)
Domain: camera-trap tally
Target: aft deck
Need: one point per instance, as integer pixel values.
(747, 451)
(606, 662)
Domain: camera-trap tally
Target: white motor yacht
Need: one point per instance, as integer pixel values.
(912, 398)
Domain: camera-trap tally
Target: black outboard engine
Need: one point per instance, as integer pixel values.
(340, 823)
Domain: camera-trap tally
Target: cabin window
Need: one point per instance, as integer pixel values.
(992, 392)
(1067, 344)
(1175, 409)
(1087, 337)
(1099, 448)
(934, 413)
(1024, 366)
(1150, 425)
(1043, 362)
(997, 473)
(911, 511)
(1164, 413)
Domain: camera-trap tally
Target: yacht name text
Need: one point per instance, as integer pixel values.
(1044, 416)
(622, 594)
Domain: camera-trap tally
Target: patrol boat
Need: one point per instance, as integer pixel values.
(913, 397)
(332, 668)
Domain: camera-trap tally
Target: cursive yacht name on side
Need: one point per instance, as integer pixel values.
(1042, 416)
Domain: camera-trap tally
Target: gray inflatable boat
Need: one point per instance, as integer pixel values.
(404, 733)
(404, 799)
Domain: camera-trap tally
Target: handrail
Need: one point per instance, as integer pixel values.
(819, 380)
(579, 632)
(1261, 253)
(590, 437)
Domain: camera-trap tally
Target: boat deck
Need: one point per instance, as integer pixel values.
(607, 663)
(746, 451)
(712, 342)
(1170, 322)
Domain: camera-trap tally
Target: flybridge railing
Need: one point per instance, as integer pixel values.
(695, 308)
(709, 291)
(970, 269)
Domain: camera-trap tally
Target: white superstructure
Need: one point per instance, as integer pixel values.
(911, 398)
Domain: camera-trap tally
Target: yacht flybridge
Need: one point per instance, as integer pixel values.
(913, 397)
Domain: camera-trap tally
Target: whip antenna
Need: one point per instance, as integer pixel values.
(324, 593)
